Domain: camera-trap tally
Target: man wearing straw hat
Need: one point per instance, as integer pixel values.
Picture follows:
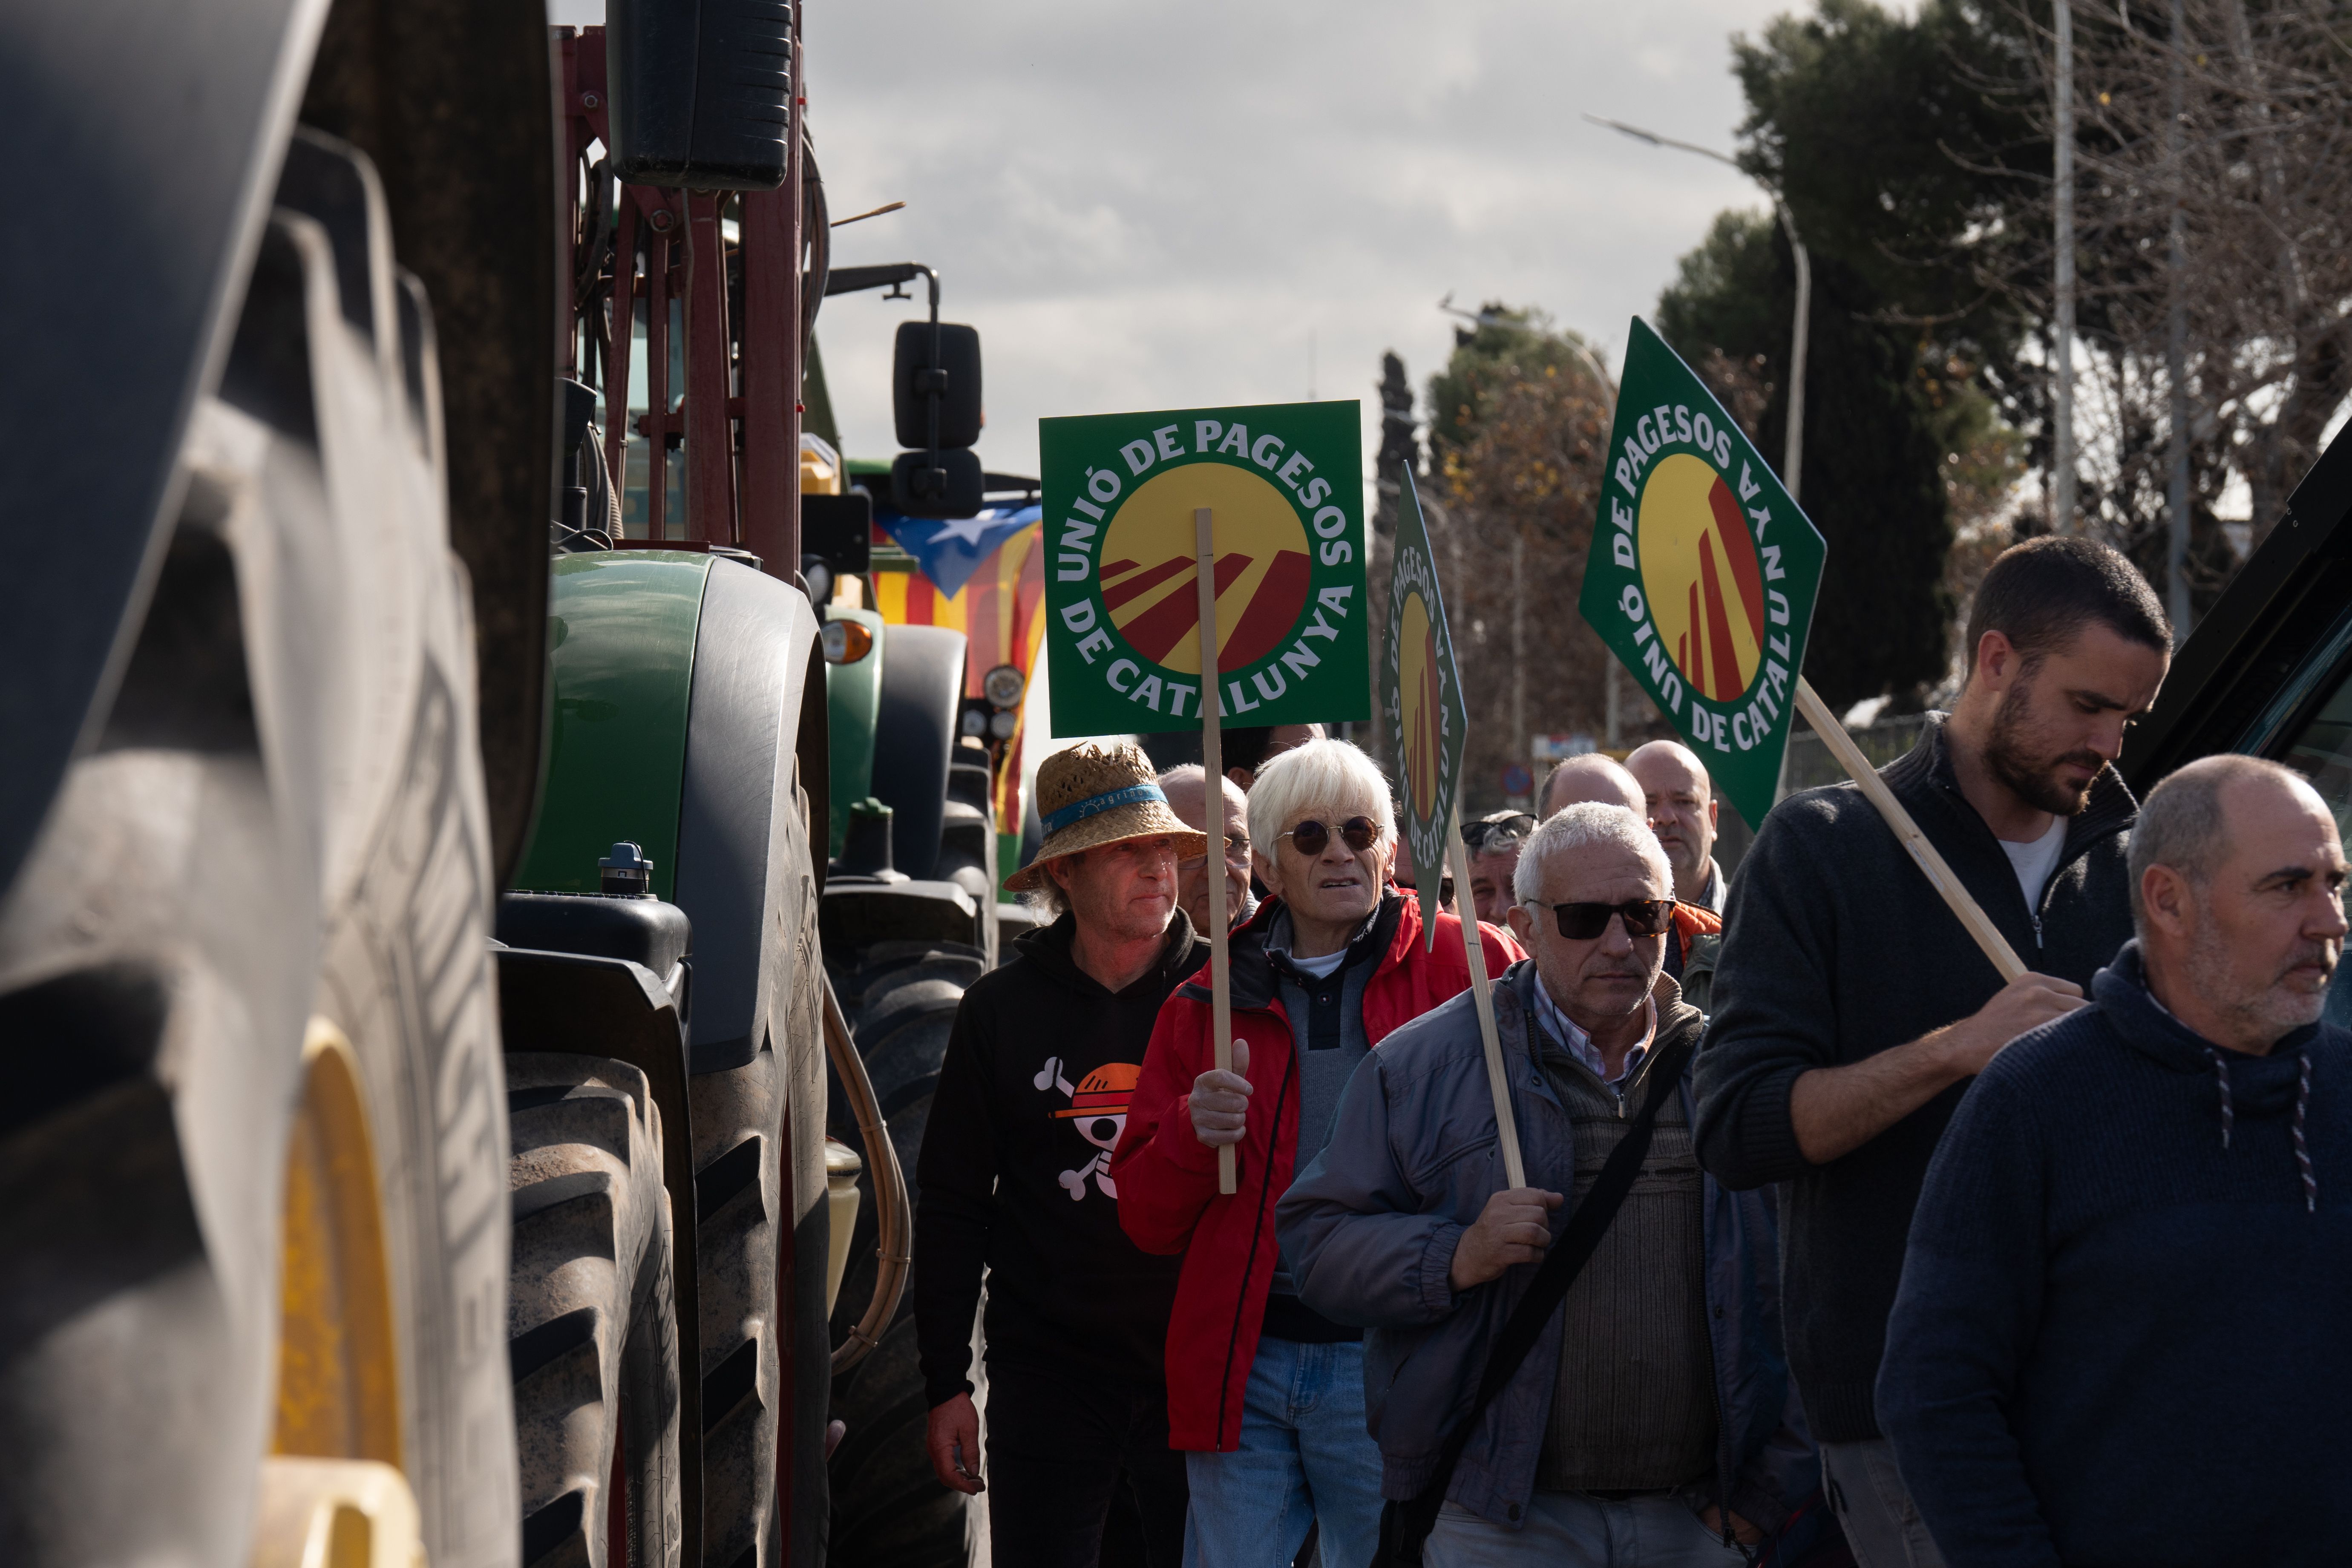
(1015, 1177)
(1264, 1394)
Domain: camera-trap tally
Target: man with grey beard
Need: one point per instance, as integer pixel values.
(2137, 1238)
(1850, 1007)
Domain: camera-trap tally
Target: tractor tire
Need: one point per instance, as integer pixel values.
(914, 733)
(761, 1241)
(163, 956)
(888, 1508)
(592, 1321)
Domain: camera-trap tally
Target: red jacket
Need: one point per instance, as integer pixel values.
(1167, 1178)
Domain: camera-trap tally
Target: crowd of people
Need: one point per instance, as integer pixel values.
(1831, 1245)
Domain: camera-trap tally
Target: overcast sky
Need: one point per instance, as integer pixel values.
(1219, 202)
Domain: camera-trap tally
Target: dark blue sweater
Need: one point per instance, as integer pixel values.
(2118, 1340)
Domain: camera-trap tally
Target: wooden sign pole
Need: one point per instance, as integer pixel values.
(1506, 1127)
(1924, 854)
(1213, 765)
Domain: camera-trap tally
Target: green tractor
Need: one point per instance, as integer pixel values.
(417, 895)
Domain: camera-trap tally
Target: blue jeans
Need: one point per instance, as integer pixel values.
(1304, 1454)
(1883, 1527)
(1569, 1530)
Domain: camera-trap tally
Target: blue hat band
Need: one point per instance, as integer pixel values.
(1078, 811)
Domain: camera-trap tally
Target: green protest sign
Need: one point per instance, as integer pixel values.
(1420, 695)
(1284, 484)
(1703, 572)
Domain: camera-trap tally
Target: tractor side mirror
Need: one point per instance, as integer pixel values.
(702, 92)
(946, 483)
(935, 395)
(949, 379)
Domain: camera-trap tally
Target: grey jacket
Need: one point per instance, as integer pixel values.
(1369, 1229)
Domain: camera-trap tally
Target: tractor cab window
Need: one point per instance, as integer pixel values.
(2322, 751)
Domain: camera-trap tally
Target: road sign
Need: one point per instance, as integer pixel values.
(1421, 694)
(1516, 780)
(1703, 572)
(1284, 485)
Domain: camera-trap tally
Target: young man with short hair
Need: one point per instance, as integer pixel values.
(1851, 1007)
(1014, 1178)
(1265, 1393)
(2120, 1333)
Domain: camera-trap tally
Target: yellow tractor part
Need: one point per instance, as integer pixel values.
(335, 1513)
(332, 1494)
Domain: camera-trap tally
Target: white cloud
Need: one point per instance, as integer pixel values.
(1158, 206)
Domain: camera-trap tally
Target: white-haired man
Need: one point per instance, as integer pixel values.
(1651, 1421)
(2136, 1236)
(1265, 1394)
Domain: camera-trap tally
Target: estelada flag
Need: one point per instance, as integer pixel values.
(1000, 610)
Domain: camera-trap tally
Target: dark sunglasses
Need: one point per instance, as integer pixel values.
(1358, 833)
(1582, 923)
(1514, 824)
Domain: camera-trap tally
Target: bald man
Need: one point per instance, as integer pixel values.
(1690, 957)
(1679, 800)
(1187, 789)
(1592, 777)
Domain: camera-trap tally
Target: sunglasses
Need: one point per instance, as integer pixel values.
(1358, 833)
(1516, 824)
(1582, 923)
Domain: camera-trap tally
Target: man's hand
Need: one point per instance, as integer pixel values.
(1836, 1110)
(2026, 1003)
(1221, 1101)
(1742, 1532)
(1512, 1229)
(952, 1439)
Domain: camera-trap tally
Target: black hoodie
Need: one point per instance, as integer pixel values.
(1014, 1173)
(2120, 1334)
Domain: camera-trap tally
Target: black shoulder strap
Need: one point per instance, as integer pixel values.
(1563, 1262)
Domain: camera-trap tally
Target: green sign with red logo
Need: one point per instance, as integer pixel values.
(1703, 572)
(1284, 484)
(1420, 695)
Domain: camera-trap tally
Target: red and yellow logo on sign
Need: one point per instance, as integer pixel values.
(1419, 731)
(1700, 576)
(1150, 575)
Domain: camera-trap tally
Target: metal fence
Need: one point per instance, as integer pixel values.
(1810, 764)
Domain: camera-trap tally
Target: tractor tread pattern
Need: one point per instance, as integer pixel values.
(591, 1313)
(889, 1511)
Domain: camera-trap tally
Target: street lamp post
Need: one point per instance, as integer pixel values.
(1793, 452)
(2061, 444)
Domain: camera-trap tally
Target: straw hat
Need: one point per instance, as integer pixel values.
(1091, 795)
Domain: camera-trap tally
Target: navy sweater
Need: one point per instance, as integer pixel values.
(2118, 1340)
